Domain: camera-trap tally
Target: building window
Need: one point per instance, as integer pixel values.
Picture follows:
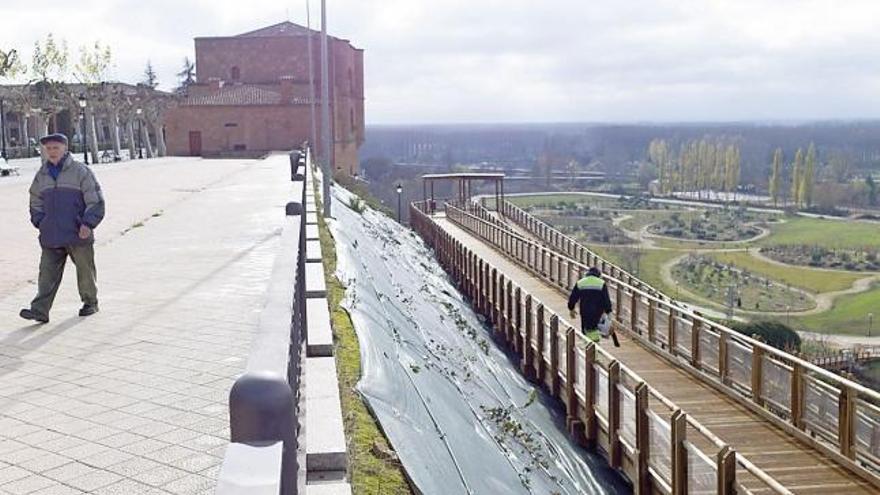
(235, 74)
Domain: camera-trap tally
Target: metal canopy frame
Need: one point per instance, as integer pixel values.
(464, 184)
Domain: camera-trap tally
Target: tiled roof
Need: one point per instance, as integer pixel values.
(241, 95)
(285, 28)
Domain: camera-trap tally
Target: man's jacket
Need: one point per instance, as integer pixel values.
(592, 293)
(60, 206)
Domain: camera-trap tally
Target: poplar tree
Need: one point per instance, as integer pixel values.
(808, 177)
(796, 177)
(775, 177)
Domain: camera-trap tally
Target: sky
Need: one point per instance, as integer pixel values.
(508, 61)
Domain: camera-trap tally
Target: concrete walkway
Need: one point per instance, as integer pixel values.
(134, 399)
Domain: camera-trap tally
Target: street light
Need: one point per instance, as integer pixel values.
(139, 111)
(82, 113)
(2, 130)
(399, 191)
(870, 322)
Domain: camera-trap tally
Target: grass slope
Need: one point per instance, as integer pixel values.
(848, 316)
(825, 233)
(371, 473)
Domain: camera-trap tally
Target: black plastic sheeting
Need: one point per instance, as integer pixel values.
(453, 404)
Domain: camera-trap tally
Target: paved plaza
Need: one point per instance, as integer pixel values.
(133, 400)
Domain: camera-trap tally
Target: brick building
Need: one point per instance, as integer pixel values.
(252, 95)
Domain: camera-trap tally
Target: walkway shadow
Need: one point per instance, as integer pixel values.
(28, 338)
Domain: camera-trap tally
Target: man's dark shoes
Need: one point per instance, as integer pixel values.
(88, 309)
(27, 314)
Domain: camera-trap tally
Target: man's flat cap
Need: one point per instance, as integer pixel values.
(57, 137)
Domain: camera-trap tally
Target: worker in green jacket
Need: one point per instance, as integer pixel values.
(591, 293)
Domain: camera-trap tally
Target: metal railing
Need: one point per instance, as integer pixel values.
(641, 432)
(264, 402)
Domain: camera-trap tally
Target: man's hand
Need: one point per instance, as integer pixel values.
(572, 314)
(84, 232)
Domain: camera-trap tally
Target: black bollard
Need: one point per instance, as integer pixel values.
(294, 164)
(261, 409)
(293, 208)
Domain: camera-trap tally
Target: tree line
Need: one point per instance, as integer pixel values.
(55, 80)
(705, 166)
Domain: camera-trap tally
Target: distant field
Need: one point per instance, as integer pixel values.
(849, 315)
(552, 199)
(826, 233)
(812, 280)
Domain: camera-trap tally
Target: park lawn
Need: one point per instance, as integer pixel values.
(550, 199)
(849, 315)
(824, 233)
(649, 266)
(815, 281)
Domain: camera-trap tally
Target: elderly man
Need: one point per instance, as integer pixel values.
(66, 206)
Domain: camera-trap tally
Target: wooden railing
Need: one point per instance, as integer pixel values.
(657, 444)
(836, 415)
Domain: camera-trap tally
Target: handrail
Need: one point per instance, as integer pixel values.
(492, 298)
(697, 317)
(559, 272)
(732, 333)
(761, 475)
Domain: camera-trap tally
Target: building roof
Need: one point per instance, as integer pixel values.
(285, 28)
(465, 175)
(242, 95)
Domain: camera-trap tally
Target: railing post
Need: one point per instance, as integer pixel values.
(679, 453)
(643, 440)
(797, 402)
(757, 375)
(540, 367)
(846, 420)
(518, 321)
(726, 465)
(633, 312)
(590, 428)
(722, 357)
(509, 313)
(695, 343)
(527, 365)
(614, 414)
(554, 356)
(574, 424)
(652, 309)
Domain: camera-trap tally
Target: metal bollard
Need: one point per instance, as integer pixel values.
(261, 408)
(293, 208)
(261, 412)
(294, 165)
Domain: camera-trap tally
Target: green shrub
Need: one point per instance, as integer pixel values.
(773, 333)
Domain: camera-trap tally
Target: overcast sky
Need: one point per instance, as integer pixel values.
(448, 61)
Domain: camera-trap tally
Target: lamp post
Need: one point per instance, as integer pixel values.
(139, 111)
(870, 322)
(82, 117)
(2, 130)
(27, 142)
(399, 191)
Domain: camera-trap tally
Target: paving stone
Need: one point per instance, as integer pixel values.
(150, 374)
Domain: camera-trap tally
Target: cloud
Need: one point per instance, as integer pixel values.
(519, 60)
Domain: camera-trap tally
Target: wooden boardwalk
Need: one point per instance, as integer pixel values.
(793, 463)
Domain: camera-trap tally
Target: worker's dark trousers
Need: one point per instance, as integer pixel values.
(52, 269)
